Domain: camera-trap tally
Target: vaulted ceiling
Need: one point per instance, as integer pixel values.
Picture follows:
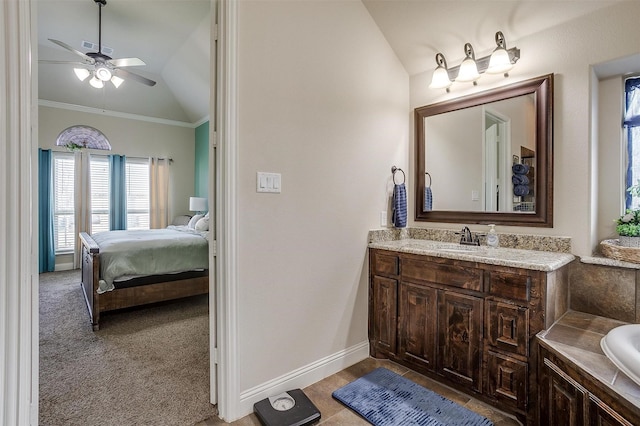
(171, 36)
(418, 29)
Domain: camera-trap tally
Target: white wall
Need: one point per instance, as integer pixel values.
(569, 51)
(133, 138)
(324, 101)
(610, 156)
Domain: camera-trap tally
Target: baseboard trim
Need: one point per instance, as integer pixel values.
(304, 376)
(64, 267)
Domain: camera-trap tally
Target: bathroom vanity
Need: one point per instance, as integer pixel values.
(466, 316)
(578, 384)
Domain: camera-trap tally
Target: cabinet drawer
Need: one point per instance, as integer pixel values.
(510, 286)
(507, 380)
(507, 327)
(450, 275)
(384, 264)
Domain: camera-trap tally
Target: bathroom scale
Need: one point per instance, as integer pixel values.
(291, 408)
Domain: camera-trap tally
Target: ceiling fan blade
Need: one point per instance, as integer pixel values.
(46, 61)
(126, 62)
(71, 49)
(131, 76)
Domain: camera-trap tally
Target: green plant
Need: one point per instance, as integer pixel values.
(634, 190)
(629, 224)
(72, 146)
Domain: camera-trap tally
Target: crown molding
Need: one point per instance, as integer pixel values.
(90, 110)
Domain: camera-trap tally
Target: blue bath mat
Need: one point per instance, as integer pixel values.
(385, 398)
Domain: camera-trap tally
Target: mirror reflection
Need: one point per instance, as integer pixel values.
(493, 146)
(488, 157)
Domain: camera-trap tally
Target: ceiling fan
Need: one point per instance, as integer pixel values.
(101, 67)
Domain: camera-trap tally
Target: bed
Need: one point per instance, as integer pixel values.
(122, 269)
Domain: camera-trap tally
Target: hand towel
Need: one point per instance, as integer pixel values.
(521, 190)
(520, 169)
(399, 213)
(520, 180)
(428, 199)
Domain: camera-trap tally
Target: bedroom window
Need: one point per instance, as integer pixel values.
(63, 211)
(99, 194)
(137, 170)
(137, 187)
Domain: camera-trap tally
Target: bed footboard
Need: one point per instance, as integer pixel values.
(128, 297)
(90, 266)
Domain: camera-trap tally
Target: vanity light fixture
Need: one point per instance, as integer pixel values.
(468, 68)
(501, 61)
(441, 78)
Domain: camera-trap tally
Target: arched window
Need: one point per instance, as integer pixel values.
(79, 137)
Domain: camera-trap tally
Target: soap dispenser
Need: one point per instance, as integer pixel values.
(492, 237)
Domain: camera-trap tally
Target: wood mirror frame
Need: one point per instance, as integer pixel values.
(542, 88)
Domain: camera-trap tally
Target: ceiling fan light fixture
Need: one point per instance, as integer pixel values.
(117, 81)
(82, 73)
(96, 82)
(103, 73)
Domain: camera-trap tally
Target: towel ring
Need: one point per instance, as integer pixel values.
(429, 179)
(395, 169)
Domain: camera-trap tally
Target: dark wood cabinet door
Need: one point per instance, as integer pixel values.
(507, 327)
(600, 414)
(418, 324)
(506, 379)
(460, 338)
(384, 315)
(562, 399)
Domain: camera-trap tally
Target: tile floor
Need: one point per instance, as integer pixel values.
(334, 413)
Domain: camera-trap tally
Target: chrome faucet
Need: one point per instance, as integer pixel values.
(468, 238)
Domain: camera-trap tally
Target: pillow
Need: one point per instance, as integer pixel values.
(202, 224)
(194, 220)
(207, 215)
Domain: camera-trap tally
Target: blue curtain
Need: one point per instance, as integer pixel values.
(632, 126)
(117, 192)
(46, 249)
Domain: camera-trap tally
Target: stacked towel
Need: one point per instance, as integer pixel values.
(521, 190)
(520, 169)
(399, 209)
(428, 199)
(520, 179)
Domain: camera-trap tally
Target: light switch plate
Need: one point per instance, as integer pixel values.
(268, 182)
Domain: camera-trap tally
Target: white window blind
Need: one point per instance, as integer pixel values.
(137, 193)
(99, 194)
(63, 212)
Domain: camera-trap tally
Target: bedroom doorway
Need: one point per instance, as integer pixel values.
(212, 159)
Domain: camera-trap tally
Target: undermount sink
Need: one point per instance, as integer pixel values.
(622, 346)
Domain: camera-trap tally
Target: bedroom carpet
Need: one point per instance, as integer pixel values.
(145, 366)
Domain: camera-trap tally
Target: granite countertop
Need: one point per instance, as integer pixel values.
(525, 259)
(576, 336)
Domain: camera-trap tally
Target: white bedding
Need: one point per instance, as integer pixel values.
(130, 254)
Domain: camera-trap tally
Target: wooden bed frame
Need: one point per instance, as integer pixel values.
(131, 296)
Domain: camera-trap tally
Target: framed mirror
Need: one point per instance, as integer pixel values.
(488, 157)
